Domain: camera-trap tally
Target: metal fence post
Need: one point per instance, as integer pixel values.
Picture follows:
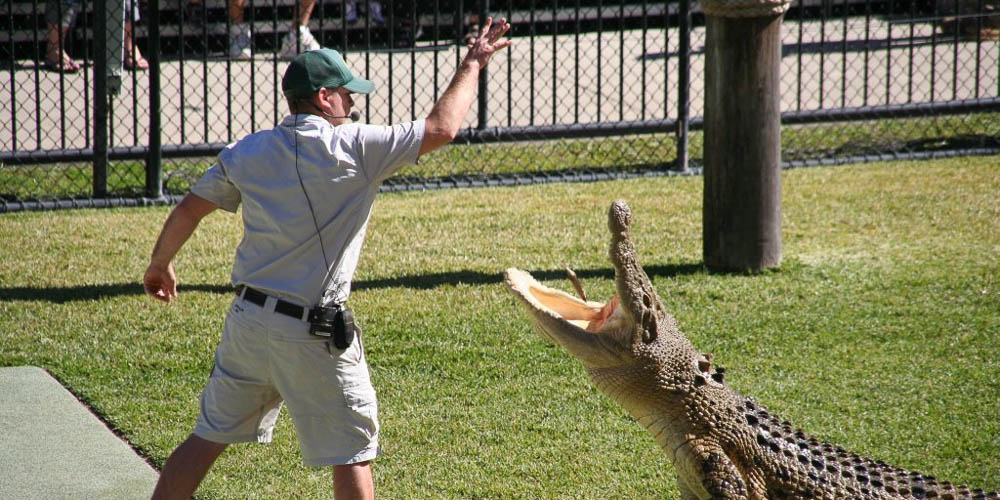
(683, 85)
(108, 38)
(100, 180)
(154, 154)
(484, 9)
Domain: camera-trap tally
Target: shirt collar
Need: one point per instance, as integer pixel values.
(303, 118)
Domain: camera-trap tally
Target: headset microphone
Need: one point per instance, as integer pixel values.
(354, 116)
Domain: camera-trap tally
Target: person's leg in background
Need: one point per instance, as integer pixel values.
(300, 39)
(59, 17)
(132, 58)
(200, 20)
(239, 32)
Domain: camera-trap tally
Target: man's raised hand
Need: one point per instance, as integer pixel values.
(488, 42)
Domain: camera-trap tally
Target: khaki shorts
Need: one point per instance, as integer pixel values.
(265, 359)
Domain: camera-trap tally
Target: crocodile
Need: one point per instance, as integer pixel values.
(723, 445)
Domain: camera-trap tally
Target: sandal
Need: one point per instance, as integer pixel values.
(137, 64)
(65, 64)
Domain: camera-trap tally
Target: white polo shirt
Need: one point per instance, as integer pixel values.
(341, 168)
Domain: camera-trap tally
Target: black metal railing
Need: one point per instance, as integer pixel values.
(591, 89)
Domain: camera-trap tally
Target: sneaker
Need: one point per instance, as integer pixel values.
(292, 44)
(239, 41)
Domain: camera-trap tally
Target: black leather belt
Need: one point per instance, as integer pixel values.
(281, 306)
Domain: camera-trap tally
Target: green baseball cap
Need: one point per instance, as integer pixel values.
(321, 68)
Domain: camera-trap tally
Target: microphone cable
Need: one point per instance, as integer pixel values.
(312, 212)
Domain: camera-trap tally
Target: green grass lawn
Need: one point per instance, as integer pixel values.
(880, 332)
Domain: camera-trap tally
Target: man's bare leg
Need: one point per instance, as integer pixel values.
(186, 467)
(353, 482)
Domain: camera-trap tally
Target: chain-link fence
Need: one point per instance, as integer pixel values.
(590, 89)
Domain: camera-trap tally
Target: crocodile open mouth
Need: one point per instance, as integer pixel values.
(590, 316)
(557, 303)
(597, 334)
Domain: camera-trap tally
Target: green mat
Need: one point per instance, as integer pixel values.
(53, 447)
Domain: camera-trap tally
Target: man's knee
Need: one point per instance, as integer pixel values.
(205, 443)
(355, 468)
(199, 446)
(366, 463)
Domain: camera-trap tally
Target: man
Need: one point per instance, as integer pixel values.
(307, 188)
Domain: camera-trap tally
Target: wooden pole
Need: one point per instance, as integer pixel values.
(742, 197)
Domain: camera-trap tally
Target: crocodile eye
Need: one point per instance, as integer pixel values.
(648, 336)
(649, 326)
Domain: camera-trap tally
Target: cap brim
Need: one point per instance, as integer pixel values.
(360, 85)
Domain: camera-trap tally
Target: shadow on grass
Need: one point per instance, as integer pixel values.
(428, 281)
(435, 280)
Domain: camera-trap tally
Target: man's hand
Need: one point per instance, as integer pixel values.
(445, 118)
(482, 47)
(160, 282)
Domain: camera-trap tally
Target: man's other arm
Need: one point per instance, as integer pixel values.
(447, 115)
(160, 282)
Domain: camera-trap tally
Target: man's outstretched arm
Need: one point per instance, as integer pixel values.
(447, 115)
(160, 282)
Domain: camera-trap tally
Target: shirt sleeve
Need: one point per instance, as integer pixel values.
(384, 149)
(216, 187)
